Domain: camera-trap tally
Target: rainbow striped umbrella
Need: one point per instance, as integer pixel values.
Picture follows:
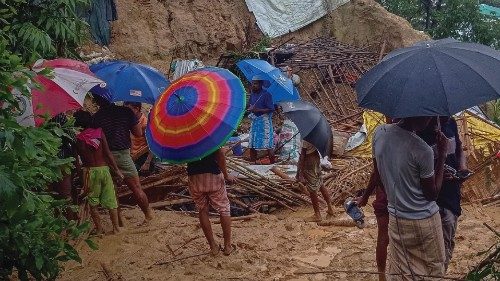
(195, 115)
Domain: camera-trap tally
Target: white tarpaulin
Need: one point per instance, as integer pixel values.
(278, 17)
(184, 66)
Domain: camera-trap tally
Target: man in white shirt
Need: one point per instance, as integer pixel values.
(405, 164)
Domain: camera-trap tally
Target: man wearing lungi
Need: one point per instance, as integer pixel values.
(406, 167)
(261, 108)
(207, 187)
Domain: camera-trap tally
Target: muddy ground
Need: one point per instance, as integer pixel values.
(272, 247)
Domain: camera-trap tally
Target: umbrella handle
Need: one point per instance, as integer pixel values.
(179, 97)
(284, 143)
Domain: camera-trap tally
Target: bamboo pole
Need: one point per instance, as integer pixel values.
(267, 182)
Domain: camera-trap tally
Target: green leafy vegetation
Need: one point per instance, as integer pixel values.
(35, 238)
(459, 19)
(488, 268)
(42, 28)
(493, 111)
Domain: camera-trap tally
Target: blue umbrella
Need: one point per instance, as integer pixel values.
(432, 78)
(103, 92)
(278, 85)
(127, 81)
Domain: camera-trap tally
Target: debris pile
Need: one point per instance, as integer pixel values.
(328, 70)
(252, 193)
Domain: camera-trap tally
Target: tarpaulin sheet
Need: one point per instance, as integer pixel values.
(98, 15)
(481, 133)
(371, 120)
(278, 17)
(489, 10)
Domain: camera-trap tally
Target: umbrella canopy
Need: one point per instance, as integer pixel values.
(196, 115)
(277, 84)
(312, 124)
(65, 89)
(104, 92)
(129, 81)
(431, 78)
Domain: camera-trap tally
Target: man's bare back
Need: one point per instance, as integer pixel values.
(97, 156)
(90, 156)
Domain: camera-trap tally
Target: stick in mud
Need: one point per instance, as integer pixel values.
(107, 272)
(187, 242)
(241, 218)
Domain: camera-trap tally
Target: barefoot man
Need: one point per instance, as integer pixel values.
(98, 187)
(309, 173)
(411, 180)
(206, 185)
(117, 122)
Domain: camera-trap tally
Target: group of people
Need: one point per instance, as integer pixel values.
(260, 109)
(417, 202)
(417, 191)
(106, 145)
(111, 148)
(208, 176)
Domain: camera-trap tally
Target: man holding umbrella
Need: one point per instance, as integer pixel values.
(450, 195)
(309, 173)
(206, 184)
(416, 84)
(317, 137)
(189, 123)
(261, 108)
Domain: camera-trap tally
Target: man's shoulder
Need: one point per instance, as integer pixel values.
(123, 109)
(381, 129)
(117, 111)
(418, 145)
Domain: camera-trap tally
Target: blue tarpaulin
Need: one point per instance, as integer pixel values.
(98, 15)
(489, 10)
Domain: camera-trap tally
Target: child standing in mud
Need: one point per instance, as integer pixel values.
(92, 147)
(309, 173)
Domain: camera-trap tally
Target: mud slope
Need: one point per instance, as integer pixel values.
(152, 31)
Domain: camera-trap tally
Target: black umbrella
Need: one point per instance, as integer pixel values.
(311, 123)
(440, 77)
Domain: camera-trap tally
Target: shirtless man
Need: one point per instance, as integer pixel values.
(96, 158)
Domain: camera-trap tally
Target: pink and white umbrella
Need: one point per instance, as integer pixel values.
(64, 90)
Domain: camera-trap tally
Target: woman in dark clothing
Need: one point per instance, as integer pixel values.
(449, 197)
